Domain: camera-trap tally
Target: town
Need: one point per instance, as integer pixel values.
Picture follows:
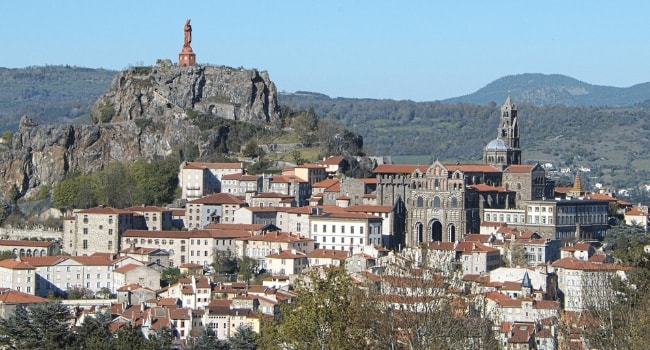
(496, 239)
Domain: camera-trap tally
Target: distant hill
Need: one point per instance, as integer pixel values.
(50, 94)
(555, 89)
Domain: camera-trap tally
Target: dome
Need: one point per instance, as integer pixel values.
(497, 145)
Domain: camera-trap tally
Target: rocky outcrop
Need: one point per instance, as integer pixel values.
(143, 115)
(146, 92)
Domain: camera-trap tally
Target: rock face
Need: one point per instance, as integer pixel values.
(145, 92)
(143, 115)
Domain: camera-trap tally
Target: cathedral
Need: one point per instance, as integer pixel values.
(444, 202)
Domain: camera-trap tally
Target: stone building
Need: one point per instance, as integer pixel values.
(201, 179)
(96, 230)
(443, 202)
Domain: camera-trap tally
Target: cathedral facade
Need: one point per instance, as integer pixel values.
(444, 202)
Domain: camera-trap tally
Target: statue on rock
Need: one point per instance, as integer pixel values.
(188, 34)
(187, 57)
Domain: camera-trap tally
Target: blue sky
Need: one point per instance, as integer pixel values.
(418, 50)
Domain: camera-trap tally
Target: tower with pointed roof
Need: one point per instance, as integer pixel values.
(505, 150)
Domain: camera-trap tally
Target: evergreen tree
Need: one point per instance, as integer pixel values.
(243, 339)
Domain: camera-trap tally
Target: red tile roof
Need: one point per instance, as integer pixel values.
(572, 263)
(333, 160)
(218, 199)
(103, 210)
(16, 264)
(287, 254)
(25, 243)
(11, 296)
(370, 208)
(328, 254)
(126, 268)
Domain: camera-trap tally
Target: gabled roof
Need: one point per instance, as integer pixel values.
(218, 199)
(333, 160)
(103, 210)
(328, 254)
(287, 254)
(277, 236)
(148, 208)
(471, 247)
(126, 268)
(11, 296)
(16, 264)
(572, 263)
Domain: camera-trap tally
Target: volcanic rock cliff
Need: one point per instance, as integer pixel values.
(143, 115)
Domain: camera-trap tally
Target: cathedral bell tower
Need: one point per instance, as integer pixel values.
(504, 150)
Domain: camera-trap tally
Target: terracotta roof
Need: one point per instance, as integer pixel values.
(335, 188)
(218, 199)
(103, 210)
(16, 264)
(43, 260)
(310, 166)
(437, 245)
(202, 165)
(333, 160)
(473, 237)
(370, 208)
(180, 314)
(178, 212)
(138, 250)
(325, 183)
(349, 215)
(25, 243)
(600, 196)
(11, 296)
(488, 188)
(171, 234)
(572, 263)
(148, 208)
(470, 247)
(190, 265)
(129, 287)
(631, 212)
(577, 247)
(328, 254)
(399, 168)
(126, 268)
(93, 260)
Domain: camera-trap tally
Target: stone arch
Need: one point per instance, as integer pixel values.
(436, 231)
(420, 202)
(454, 202)
(451, 232)
(436, 202)
(43, 252)
(16, 251)
(419, 232)
(22, 252)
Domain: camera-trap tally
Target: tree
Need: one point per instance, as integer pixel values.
(80, 293)
(208, 341)
(50, 322)
(224, 262)
(7, 254)
(243, 339)
(326, 315)
(248, 268)
(94, 334)
(171, 275)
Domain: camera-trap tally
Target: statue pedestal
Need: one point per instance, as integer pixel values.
(187, 57)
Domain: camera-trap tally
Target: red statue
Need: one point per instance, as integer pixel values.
(188, 34)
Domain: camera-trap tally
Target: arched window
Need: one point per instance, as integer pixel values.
(454, 202)
(420, 202)
(436, 202)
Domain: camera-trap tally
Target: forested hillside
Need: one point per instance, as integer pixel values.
(49, 94)
(610, 140)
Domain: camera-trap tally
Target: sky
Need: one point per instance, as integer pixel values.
(406, 50)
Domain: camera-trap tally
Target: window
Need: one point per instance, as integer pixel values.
(110, 231)
(315, 228)
(342, 229)
(333, 228)
(361, 230)
(85, 230)
(85, 244)
(351, 229)
(324, 228)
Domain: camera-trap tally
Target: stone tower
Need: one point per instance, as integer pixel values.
(504, 150)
